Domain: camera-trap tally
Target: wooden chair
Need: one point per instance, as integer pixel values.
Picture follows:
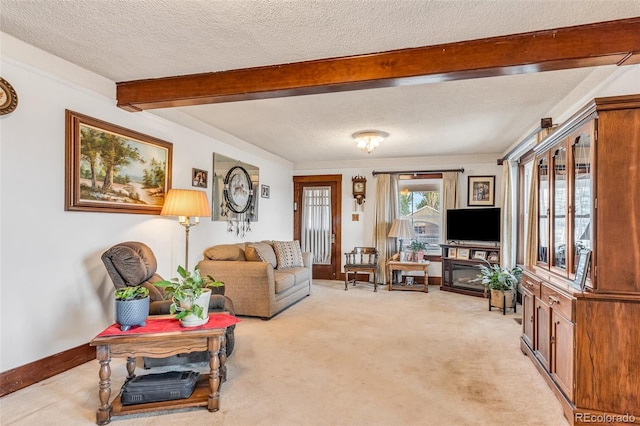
(361, 260)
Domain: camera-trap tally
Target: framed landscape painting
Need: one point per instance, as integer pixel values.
(112, 169)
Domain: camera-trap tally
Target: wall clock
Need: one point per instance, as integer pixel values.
(238, 190)
(359, 188)
(8, 97)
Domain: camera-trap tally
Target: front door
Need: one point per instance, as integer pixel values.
(316, 221)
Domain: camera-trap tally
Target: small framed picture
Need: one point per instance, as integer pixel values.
(463, 253)
(493, 256)
(479, 254)
(199, 178)
(265, 191)
(481, 191)
(452, 252)
(581, 270)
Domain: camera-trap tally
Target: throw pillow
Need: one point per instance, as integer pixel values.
(288, 254)
(224, 252)
(261, 252)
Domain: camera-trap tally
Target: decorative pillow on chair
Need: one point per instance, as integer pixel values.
(288, 254)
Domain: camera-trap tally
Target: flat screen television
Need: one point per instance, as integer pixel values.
(482, 224)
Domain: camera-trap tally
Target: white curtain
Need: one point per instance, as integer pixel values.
(531, 245)
(386, 209)
(316, 223)
(450, 197)
(506, 259)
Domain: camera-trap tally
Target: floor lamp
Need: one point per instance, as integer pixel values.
(401, 229)
(186, 203)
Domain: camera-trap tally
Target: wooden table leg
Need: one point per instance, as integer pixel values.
(103, 354)
(214, 373)
(131, 367)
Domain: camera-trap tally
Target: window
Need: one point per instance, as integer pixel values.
(419, 201)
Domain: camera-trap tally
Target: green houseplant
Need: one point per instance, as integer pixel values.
(501, 282)
(418, 248)
(190, 294)
(131, 306)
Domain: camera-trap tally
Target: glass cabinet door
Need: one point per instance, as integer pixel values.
(543, 211)
(560, 208)
(582, 195)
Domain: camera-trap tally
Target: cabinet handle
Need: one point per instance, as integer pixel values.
(531, 319)
(553, 299)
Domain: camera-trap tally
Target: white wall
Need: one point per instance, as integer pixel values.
(54, 290)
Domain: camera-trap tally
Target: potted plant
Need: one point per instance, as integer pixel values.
(131, 306)
(502, 284)
(190, 293)
(418, 247)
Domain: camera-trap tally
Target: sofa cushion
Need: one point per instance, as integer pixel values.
(261, 252)
(225, 252)
(283, 281)
(288, 254)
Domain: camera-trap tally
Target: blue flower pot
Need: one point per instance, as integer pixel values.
(132, 312)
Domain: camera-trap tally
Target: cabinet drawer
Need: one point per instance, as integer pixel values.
(531, 284)
(557, 301)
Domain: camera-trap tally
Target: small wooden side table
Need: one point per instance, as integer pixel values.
(393, 265)
(161, 338)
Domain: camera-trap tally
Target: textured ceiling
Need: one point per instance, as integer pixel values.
(129, 40)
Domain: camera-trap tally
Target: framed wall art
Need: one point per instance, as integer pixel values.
(265, 191)
(199, 178)
(113, 169)
(481, 191)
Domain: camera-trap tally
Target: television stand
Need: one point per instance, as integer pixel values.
(460, 266)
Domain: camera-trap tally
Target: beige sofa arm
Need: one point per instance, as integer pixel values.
(246, 283)
(307, 259)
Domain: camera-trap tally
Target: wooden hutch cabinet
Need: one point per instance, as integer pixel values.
(586, 342)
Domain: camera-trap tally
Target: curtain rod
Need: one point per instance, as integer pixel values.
(408, 172)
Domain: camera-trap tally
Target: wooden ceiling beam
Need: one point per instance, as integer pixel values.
(604, 43)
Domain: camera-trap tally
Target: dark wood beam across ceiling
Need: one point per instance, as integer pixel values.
(604, 43)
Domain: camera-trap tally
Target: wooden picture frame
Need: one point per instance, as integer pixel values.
(134, 180)
(478, 254)
(481, 190)
(452, 252)
(199, 178)
(463, 253)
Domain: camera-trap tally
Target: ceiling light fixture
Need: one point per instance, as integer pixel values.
(369, 140)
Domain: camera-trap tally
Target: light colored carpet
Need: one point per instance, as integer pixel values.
(343, 358)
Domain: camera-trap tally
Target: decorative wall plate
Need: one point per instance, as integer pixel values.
(8, 97)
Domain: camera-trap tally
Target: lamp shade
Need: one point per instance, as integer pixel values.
(186, 202)
(401, 228)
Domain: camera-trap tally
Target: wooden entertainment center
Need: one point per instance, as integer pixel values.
(585, 340)
(460, 266)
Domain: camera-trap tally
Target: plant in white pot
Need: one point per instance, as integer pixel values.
(190, 294)
(502, 283)
(131, 306)
(418, 247)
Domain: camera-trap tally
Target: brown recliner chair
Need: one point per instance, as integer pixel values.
(133, 263)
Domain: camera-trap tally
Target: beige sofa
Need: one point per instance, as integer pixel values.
(262, 278)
